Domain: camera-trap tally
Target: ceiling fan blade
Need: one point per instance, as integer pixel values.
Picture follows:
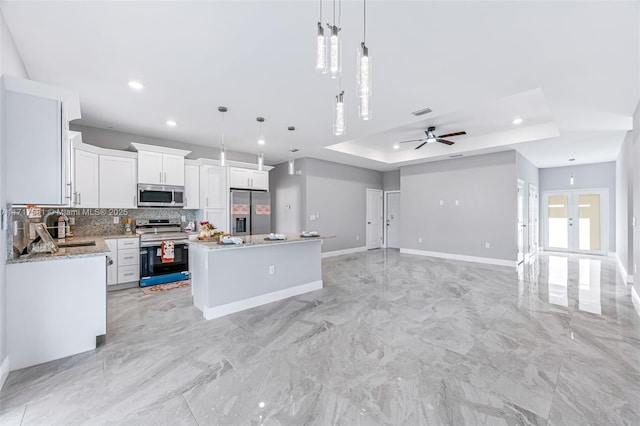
(445, 142)
(414, 140)
(452, 134)
(421, 145)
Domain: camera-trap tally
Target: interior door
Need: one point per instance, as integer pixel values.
(521, 225)
(374, 218)
(577, 221)
(393, 219)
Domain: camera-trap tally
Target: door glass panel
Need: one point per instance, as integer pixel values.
(589, 222)
(558, 221)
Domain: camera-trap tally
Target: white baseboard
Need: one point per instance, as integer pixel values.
(241, 305)
(4, 371)
(635, 298)
(343, 252)
(475, 259)
(623, 272)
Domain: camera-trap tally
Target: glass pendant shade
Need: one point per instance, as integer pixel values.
(339, 126)
(321, 51)
(292, 166)
(335, 51)
(261, 161)
(223, 156)
(363, 88)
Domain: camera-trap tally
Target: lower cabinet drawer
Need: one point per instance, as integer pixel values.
(128, 273)
(128, 257)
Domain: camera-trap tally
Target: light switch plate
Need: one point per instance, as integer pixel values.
(116, 220)
(312, 217)
(442, 202)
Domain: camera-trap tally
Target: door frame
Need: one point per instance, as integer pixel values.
(604, 219)
(384, 223)
(520, 224)
(534, 225)
(381, 231)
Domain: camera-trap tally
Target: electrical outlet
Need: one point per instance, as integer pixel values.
(357, 237)
(419, 239)
(183, 218)
(272, 270)
(116, 220)
(457, 202)
(312, 217)
(442, 202)
(487, 245)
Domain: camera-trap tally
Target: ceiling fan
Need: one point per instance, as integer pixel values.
(432, 137)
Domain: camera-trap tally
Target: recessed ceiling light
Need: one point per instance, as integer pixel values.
(517, 121)
(171, 123)
(136, 85)
(422, 111)
(572, 159)
(396, 146)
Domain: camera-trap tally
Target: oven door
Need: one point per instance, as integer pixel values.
(151, 261)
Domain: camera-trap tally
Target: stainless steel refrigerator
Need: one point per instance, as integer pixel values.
(250, 212)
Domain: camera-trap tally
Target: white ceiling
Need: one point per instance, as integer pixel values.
(569, 69)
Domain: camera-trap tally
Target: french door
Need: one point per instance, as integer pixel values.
(576, 221)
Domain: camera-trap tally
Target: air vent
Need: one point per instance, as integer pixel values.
(294, 150)
(422, 111)
(456, 156)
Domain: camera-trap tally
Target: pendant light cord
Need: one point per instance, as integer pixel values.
(320, 20)
(222, 129)
(364, 18)
(334, 13)
(339, 13)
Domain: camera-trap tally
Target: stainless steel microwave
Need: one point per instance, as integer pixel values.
(160, 196)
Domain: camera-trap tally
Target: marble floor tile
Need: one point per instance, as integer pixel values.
(392, 339)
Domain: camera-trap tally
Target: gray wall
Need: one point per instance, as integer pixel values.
(587, 176)
(334, 193)
(338, 194)
(485, 185)
(529, 173)
(286, 199)
(624, 204)
(11, 64)
(635, 152)
(112, 139)
(391, 180)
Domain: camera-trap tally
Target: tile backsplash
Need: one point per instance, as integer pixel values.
(89, 222)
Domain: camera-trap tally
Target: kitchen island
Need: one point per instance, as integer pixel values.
(231, 278)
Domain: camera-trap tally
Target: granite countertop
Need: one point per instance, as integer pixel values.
(100, 249)
(258, 240)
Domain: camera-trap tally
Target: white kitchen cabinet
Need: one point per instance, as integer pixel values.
(85, 178)
(54, 309)
(150, 167)
(112, 261)
(158, 168)
(248, 179)
(118, 182)
(38, 151)
(218, 217)
(214, 192)
(125, 254)
(191, 186)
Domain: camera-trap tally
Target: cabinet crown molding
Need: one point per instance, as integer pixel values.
(162, 149)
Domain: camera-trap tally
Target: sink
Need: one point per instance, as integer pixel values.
(77, 244)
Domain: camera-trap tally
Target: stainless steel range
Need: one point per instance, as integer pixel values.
(154, 269)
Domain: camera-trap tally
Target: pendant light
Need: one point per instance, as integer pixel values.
(363, 90)
(321, 47)
(261, 142)
(223, 149)
(292, 164)
(338, 115)
(335, 44)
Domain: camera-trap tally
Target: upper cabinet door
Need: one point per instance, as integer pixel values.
(35, 160)
(118, 183)
(191, 187)
(260, 180)
(214, 192)
(173, 169)
(239, 178)
(150, 167)
(86, 190)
